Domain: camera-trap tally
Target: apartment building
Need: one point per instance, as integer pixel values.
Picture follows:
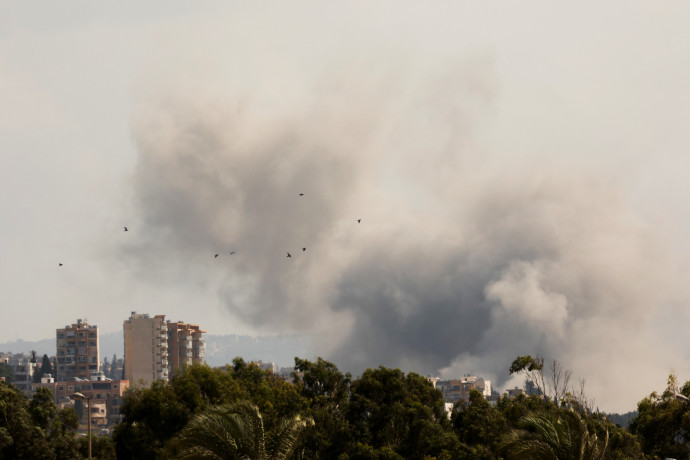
(77, 351)
(185, 345)
(22, 368)
(146, 348)
(105, 395)
(156, 349)
(459, 389)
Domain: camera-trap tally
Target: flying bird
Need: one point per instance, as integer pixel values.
(359, 220)
(289, 255)
(126, 229)
(215, 256)
(59, 264)
(304, 249)
(301, 194)
(232, 252)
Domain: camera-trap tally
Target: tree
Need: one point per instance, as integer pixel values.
(152, 416)
(561, 435)
(46, 368)
(42, 408)
(235, 431)
(478, 425)
(113, 368)
(398, 414)
(533, 369)
(326, 391)
(663, 421)
(7, 372)
(35, 429)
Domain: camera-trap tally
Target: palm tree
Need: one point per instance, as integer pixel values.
(549, 436)
(235, 432)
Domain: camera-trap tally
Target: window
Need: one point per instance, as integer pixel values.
(70, 387)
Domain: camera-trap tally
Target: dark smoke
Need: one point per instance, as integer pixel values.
(462, 260)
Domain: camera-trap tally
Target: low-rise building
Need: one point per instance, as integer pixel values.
(22, 368)
(512, 392)
(105, 395)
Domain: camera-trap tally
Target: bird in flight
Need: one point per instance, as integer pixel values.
(126, 229)
(304, 249)
(289, 255)
(359, 220)
(215, 256)
(301, 194)
(232, 252)
(59, 264)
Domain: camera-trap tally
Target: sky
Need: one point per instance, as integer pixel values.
(519, 169)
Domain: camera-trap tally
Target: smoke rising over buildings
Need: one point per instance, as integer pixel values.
(465, 257)
(519, 172)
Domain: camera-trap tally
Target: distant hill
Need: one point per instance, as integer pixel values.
(220, 349)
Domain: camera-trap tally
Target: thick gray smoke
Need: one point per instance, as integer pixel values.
(464, 258)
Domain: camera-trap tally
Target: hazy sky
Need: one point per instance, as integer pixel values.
(520, 169)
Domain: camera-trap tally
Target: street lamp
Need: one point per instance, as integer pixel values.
(81, 396)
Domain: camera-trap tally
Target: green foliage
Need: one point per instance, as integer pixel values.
(35, 428)
(152, 416)
(392, 411)
(477, 423)
(102, 447)
(19, 438)
(526, 363)
(235, 430)
(326, 392)
(46, 368)
(7, 372)
(663, 422)
(42, 408)
(554, 435)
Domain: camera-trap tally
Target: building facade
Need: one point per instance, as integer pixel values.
(105, 395)
(77, 351)
(185, 345)
(146, 348)
(157, 349)
(22, 368)
(459, 389)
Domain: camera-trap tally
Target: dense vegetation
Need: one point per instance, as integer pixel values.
(243, 412)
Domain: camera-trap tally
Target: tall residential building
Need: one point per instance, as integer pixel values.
(156, 349)
(146, 348)
(77, 351)
(186, 345)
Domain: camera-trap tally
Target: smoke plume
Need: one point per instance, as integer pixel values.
(464, 257)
